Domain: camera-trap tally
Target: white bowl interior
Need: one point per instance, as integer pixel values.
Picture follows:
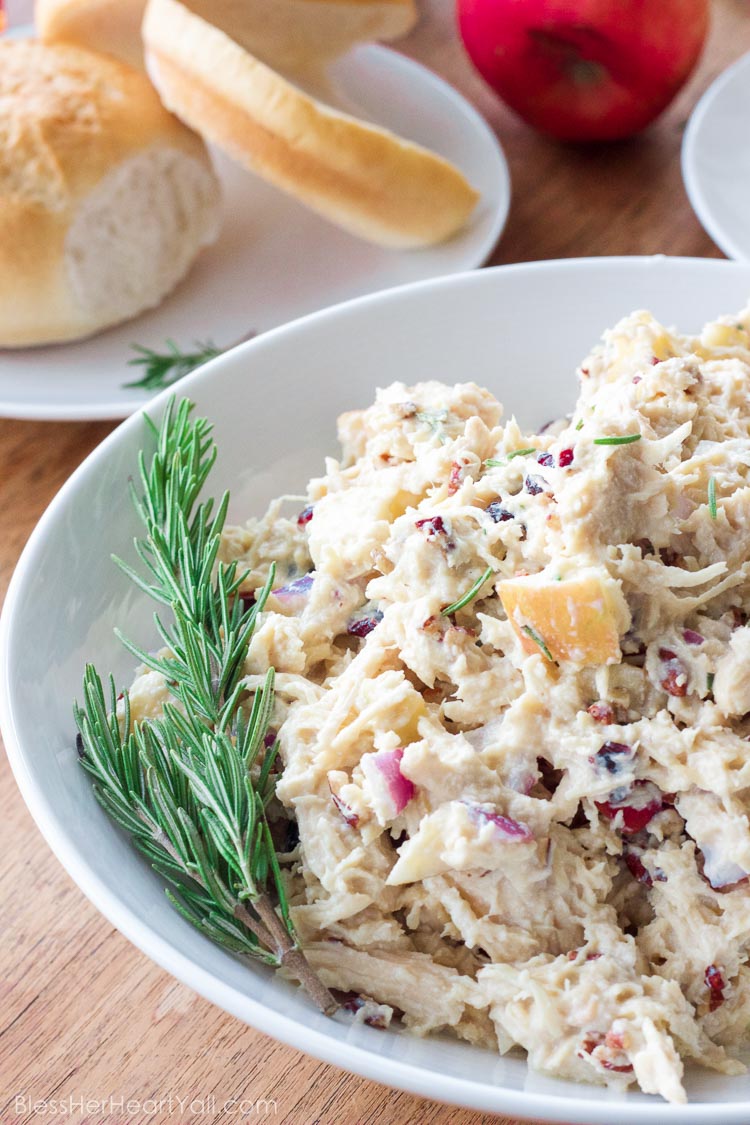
(519, 330)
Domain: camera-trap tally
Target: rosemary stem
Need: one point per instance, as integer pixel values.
(264, 922)
(292, 957)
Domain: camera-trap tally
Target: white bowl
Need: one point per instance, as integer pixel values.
(518, 329)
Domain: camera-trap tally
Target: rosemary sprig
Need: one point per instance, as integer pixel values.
(469, 595)
(624, 439)
(162, 369)
(192, 787)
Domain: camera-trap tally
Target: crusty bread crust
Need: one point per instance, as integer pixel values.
(282, 32)
(69, 117)
(361, 177)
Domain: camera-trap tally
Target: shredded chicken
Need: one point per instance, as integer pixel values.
(525, 821)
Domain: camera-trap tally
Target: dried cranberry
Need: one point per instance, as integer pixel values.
(716, 984)
(565, 458)
(546, 459)
(269, 738)
(433, 526)
(352, 1002)
(690, 637)
(364, 625)
(613, 755)
(739, 617)
(497, 512)
(635, 866)
(635, 816)
(654, 360)
(456, 477)
(675, 678)
(596, 1039)
(601, 712)
(534, 485)
(305, 516)
(247, 601)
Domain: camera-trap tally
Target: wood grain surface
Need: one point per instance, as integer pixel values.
(83, 1014)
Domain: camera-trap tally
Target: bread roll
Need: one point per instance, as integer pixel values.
(284, 32)
(105, 198)
(363, 178)
(111, 26)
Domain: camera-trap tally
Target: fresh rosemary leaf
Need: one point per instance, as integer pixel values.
(435, 420)
(625, 439)
(539, 641)
(712, 509)
(162, 369)
(193, 786)
(469, 595)
(493, 463)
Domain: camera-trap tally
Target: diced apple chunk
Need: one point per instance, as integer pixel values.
(577, 616)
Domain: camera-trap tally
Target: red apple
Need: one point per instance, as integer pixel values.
(585, 70)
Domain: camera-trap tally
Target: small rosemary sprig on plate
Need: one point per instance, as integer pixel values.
(192, 787)
(162, 369)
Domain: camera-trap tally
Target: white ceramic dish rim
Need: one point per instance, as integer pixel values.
(406, 1076)
(707, 217)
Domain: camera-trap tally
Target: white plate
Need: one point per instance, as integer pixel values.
(273, 403)
(276, 260)
(716, 160)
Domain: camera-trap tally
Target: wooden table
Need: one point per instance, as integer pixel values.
(83, 1014)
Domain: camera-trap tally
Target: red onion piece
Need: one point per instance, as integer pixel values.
(295, 594)
(511, 831)
(349, 815)
(387, 783)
